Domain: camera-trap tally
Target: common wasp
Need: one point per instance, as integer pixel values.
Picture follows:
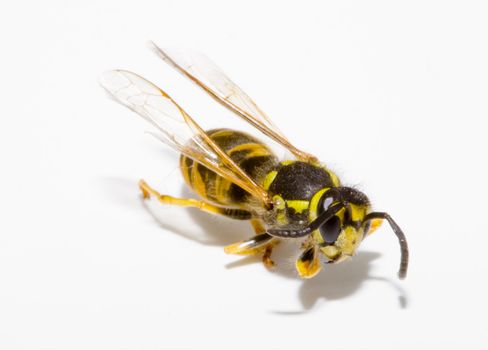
(238, 176)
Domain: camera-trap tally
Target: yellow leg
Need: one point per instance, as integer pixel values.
(234, 213)
(308, 264)
(254, 245)
(258, 226)
(267, 261)
(260, 243)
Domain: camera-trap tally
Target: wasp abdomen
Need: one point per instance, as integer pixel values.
(250, 154)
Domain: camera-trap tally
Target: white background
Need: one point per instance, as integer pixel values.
(392, 95)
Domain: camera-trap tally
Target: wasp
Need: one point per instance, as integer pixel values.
(238, 176)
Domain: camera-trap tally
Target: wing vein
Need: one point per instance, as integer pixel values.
(205, 74)
(176, 127)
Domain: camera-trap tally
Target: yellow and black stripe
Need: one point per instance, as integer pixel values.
(251, 155)
(292, 184)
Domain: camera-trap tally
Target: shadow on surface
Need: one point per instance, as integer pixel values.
(341, 281)
(332, 283)
(122, 191)
(211, 230)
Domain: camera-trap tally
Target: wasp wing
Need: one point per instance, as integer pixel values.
(176, 128)
(207, 75)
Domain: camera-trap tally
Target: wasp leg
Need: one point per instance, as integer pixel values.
(268, 249)
(267, 261)
(258, 226)
(251, 246)
(308, 264)
(234, 213)
(260, 243)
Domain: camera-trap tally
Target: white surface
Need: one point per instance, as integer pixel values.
(399, 88)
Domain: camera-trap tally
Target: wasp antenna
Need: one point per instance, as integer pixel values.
(319, 221)
(402, 272)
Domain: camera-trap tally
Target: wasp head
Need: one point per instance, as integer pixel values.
(339, 237)
(340, 218)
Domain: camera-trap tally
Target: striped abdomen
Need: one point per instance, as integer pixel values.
(255, 158)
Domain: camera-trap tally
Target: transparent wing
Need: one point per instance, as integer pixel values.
(206, 74)
(176, 128)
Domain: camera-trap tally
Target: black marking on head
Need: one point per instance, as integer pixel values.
(300, 180)
(367, 226)
(331, 229)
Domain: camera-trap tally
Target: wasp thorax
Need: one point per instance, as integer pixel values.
(234, 173)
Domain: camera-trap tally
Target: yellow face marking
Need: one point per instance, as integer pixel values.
(358, 212)
(348, 240)
(345, 245)
(330, 251)
(317, 237)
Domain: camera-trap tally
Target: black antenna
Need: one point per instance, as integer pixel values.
(319, 221)
(402, 273)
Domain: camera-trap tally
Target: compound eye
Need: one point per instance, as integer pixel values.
(331, 230)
